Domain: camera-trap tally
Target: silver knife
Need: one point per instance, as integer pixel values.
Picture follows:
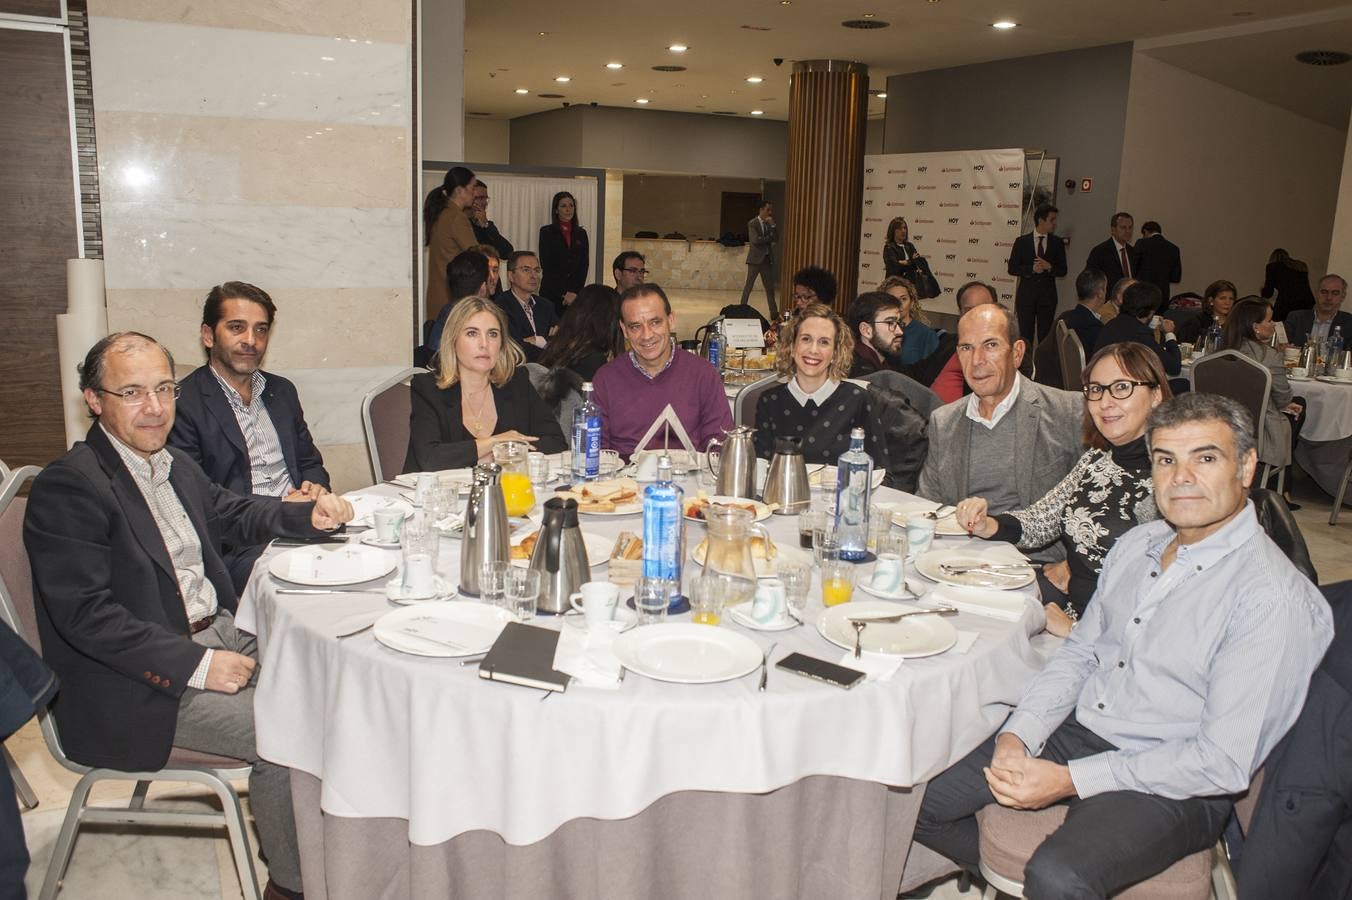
(886, 620)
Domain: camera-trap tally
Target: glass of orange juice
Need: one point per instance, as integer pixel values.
(517, 493)
(837, 582)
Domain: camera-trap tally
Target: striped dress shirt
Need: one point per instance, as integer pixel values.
(1193, 672)
(180, 539)
(267, 465)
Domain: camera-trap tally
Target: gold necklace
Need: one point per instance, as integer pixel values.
(478, 428)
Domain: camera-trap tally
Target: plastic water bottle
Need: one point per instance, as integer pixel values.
(1333, 357)
(854, 485)
(717, 345)
(664, 528)
(586, 463)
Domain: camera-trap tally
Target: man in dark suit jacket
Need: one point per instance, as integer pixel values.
(530, 320)
(1113, 257)
(1037, 259)
(1324, 317)
(1157, 262)
(1082, 318)
(1139, 302)
(134, 605)
(761, 234)
(244, 426)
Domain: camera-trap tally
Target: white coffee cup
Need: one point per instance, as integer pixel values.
(420, 577)
(919, 534)
(389, 523)
(889, 573)
(768, 605)
(598, 602)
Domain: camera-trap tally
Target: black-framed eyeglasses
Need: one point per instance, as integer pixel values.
(1118, 390)
(804, 297)
(894, 324)
(643, 272)
(138, 396)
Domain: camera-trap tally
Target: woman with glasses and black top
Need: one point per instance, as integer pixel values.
(1107, 493)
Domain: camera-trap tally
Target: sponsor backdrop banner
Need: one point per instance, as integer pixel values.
(963, 211)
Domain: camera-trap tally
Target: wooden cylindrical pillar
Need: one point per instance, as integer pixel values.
(823, 192)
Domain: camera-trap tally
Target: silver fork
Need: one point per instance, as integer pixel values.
(860, 622)
(765, 672)
(939, 513)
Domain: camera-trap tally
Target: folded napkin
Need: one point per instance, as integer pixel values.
(1008, 606)
(965, 641)
(875, 666)
(364, 504)
(587, 657)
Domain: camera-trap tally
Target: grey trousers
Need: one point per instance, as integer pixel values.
(766, 271)
(212, 722)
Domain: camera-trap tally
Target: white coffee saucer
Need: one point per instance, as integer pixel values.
(371, 540)
(902, 594)
(625, 619)
(394, 590)
(741, 614)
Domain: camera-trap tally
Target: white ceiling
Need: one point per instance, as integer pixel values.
(504, 50)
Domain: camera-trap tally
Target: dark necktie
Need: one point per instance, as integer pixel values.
(1041, 253)
(1126, 267)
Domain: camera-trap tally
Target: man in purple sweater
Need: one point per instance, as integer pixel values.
(634, 388)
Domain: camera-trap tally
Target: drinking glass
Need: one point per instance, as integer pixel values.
(537, 469)
(825, 541)
(652, 597)
(879, 525)
(523, 593)
(894, 542)
(808, 522)
(418, 551)
(797, 578)
(837, 582)
(493, 583)
(438, 503)
(703, 609)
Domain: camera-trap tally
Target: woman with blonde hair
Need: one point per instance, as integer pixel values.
(482, 395)
(918, 339)
(816, 406)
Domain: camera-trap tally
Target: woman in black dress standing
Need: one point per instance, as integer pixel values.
(817, 406)
(564, 253)
(1289, 279)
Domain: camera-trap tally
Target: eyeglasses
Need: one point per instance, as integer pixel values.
(804, 297)
(536, 270)
(1118, 390)
(894, 324)
(643, 272)
(138, 396)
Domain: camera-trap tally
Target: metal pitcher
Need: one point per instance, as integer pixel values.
(485, 535)
(560, 555)
(736, 470)
(786, 485)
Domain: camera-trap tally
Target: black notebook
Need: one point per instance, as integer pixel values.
(524, 654)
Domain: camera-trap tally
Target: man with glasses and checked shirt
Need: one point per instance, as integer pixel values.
(134, 604)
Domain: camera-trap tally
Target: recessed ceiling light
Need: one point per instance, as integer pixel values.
(1004, 24)
(868, 15)
(865, 24)
(614, 65)
(668, 68)
(883, 95)
(754, 79)
(678, 48)
(523, 90)
(543, 33)
(757, 112)
(641, 100)
(563, 79)
(785, 2)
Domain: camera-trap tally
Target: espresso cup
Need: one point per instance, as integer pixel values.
(389, 523)
(420, 578)
(919, 534)
(768, 605)
(596, 600)
(889, 573)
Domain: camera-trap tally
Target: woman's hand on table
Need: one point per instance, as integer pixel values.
(971, 517)
(484, 446)
(1058, 623)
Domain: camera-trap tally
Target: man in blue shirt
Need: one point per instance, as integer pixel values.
(1189, 665)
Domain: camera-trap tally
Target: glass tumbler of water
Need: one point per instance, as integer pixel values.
(523, 593)
(797, 579)
(418, 548)
(652, 598)
(825, 541)
(493, 583)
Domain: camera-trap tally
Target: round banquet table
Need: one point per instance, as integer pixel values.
(412, 777)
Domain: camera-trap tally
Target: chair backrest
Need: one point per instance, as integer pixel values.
(539, 379)
(744, 404)
(918, 395)
(385, 412)
(1234, 375)
(1072, 360)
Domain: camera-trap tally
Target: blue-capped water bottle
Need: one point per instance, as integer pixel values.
(586, 461)
(1333, 356)
(717, 345)
(854, 485)
(664, 528)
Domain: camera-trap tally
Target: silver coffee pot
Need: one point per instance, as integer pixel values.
(560, 555)
(485, 533)
(736, 469)
(786, 484)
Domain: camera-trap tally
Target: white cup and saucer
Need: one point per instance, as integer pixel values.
(388, 528)
(597, 608)
(767, 610)
(888, 581)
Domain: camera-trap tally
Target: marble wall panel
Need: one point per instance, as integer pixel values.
(154, 157)
(345, 18)
(141, 66)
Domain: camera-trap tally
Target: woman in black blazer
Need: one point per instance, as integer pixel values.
(481, 397)
(564, 253)
(899, 254)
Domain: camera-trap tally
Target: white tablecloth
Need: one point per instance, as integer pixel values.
(426, 740)
(1328, 414)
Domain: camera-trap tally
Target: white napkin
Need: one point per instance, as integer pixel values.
(365, 504)
(965, 641)
(1007, 606)
(339, 566)
(876, 666)
(588, 658)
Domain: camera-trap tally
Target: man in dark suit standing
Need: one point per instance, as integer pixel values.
(1158, 261)
(244, 426)
(1037, 259)
(761, 234)
(529, 320)
(1114, 256)
(134, 605)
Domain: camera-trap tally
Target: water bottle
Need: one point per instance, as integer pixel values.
(717, 345)
(586, 462)
(1333, 356)
(664, 528)
(854, 484)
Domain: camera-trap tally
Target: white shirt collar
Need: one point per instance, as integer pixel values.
(1119, 245)
(973, 405)
(821, 395)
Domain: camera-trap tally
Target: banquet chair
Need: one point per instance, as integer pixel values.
(744, 403)
(385, 412)
(1234, 375)
(27, 796)
(18, 610)
(1072, 359)
(1342, 491)
(918, 395)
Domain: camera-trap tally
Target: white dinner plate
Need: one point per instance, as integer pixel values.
(741, 614)
(910, 638)
(328, 566)
(598, 548)
(930, 565)
(762, 511)
(946, 527)
(470, 627)
(825, 476)
(685, 653)
(1329, 379)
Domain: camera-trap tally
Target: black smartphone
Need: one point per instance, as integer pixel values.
(821, 670)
